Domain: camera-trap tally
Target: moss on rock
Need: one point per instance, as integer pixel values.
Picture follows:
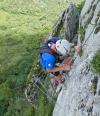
(95, 63)
(97, 29)
(82, 33)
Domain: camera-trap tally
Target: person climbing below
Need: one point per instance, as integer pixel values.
(49, 55)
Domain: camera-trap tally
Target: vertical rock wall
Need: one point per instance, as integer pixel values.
(67, 24)
(78, 97)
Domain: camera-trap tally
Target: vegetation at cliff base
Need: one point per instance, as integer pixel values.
(23, 26)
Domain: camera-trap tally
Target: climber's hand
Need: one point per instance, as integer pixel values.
(67, 67)
(77, 48)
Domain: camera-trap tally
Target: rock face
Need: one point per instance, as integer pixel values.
(67, 24)
(78, 97)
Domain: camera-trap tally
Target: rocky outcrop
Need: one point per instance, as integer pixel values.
(65, 27)
(80, 95)
(67, 24)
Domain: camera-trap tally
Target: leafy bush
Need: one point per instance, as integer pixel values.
(5, 92)
(44, 107)
(3, 107)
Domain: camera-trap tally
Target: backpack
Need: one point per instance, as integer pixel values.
(44, 48)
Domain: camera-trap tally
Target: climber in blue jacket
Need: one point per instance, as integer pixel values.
(50, 51)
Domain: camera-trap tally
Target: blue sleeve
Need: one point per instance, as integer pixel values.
(56, 38)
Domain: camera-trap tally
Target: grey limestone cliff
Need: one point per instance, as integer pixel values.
(78, 97)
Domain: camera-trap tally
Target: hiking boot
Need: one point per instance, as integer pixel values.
(56, 83)
(59, 81)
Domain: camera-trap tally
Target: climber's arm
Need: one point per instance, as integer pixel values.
(66, 68)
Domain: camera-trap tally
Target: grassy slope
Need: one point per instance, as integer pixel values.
(21, 27)
(23, 24)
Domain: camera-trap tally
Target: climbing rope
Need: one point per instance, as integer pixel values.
(95, 26)
(45, 93)
(38, 79)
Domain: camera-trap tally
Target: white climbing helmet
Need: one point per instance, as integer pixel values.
(63, 46)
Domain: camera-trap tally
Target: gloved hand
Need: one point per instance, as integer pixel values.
(67, 67)
(77, 48)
